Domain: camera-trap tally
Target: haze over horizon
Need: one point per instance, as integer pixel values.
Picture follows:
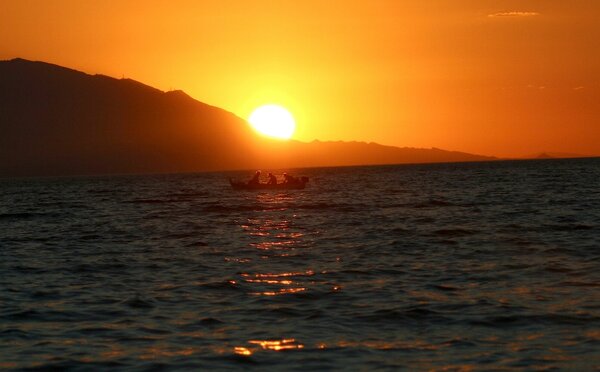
(509, 79)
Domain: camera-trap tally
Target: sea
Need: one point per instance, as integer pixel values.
(450, 267)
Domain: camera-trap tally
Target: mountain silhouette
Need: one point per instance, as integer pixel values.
(338, 153)
(555, 155)
(59, 121)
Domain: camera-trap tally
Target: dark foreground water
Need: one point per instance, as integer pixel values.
(484, 265)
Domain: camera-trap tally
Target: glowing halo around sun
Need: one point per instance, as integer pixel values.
(273, 121)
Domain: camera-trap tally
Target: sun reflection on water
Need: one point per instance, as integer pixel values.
(282, 282)
(271, 233)
(257, 345)
(273, 236)
(274, 345)
(281, 291)
(277, 345)
(242, 351)
(273, 279)
(279, 275)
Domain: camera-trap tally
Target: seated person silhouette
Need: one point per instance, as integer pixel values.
(255, 179)
(289, 179)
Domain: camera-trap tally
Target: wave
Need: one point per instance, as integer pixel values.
(41, 315)
(456, 232)
(151, 201)
(410, 314)
(16, 333)
(580, 284)
(341, 207)
(138, 302)
(210, 322)
(527, 320)
(570, 227)
(171, 198)
(218, 208)
(25, 215)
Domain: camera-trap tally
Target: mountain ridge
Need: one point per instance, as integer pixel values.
(60, 121)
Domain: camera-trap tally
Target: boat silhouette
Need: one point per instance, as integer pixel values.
(298, 184)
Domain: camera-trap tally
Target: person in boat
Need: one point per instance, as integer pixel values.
(272, 179)
(255, 180)
(287, 179)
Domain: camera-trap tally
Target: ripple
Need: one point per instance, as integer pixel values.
(455, 266)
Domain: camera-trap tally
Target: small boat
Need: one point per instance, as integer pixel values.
(299, 184)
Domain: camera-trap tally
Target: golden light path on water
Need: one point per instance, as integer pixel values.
(273, 237)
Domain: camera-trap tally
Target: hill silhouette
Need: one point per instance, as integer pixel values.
(338, 153)
(59, 121)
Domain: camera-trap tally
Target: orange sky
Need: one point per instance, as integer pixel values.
(505, 78)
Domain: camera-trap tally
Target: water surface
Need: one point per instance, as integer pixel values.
(484, 265)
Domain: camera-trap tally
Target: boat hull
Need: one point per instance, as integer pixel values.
(299, 185)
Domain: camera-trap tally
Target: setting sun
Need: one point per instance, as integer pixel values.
(273, 121)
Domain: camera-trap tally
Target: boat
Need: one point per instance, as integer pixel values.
(299, 184)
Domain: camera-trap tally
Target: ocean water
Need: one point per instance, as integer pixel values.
(415, 267)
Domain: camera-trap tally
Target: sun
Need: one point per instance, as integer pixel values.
(273, 121)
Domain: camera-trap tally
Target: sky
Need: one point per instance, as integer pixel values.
(503, 78)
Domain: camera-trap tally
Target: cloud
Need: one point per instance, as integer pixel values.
(540, 87)
(514, 14)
